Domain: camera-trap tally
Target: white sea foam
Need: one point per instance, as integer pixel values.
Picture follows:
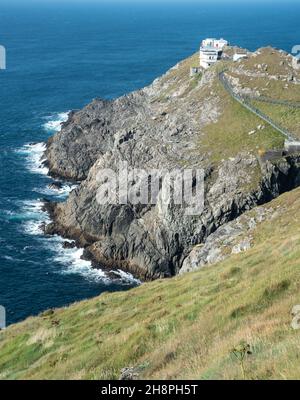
(34, 157)
(33, 228)
(9, 258)
(60, 193)
(34, 152)
(125, 276)
(54, 122)
(72, 262)
(33, 217)
(33, 206)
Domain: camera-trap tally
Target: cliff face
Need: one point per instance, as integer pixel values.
(177, 122)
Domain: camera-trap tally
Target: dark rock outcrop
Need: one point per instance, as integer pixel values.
(69, 245)
(55, 185)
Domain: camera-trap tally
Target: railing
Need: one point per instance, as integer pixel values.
(273, 101)
(243, 100)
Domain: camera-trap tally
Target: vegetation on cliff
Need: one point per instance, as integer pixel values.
(225, 321)
(177, 122)
(184, 327)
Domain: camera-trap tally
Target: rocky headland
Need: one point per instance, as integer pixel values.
(177, 122)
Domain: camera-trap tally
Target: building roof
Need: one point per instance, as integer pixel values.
(209, 48)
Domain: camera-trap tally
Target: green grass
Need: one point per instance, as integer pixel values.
(274, 89)
(179, 78)
(194, 82)
(287, 117)
(179, 328)
(185, 327)
(230, 135)
(272, 58)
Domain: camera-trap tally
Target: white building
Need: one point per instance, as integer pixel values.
(211, 51)
(209, 56)
(215, 43)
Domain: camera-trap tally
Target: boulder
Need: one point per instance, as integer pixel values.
(55, 185)
(69, 245)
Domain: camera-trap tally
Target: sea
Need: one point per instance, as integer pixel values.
(60, 56)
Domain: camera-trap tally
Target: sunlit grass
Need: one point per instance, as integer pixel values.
(179, 328)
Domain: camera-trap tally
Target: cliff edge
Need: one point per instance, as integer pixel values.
(178, 122)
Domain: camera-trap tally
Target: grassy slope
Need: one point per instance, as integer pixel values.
(179, 328)
(287, 117)
(184, 327)
(277, 65)
(279, 89)
(230, 134)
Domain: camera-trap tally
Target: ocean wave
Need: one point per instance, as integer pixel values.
(33, 209)
(33, 228)
(59, 193)
(32, 206)
(34, 152)
(34, 157)
(28, 211)
(33, 217)
(9, 258)
(54, 122)
(127, 277)
(72, 262)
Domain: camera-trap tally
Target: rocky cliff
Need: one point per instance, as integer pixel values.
(177, 122)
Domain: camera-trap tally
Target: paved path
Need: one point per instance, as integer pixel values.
(245, 103)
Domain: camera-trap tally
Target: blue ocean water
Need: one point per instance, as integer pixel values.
(59, 57)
